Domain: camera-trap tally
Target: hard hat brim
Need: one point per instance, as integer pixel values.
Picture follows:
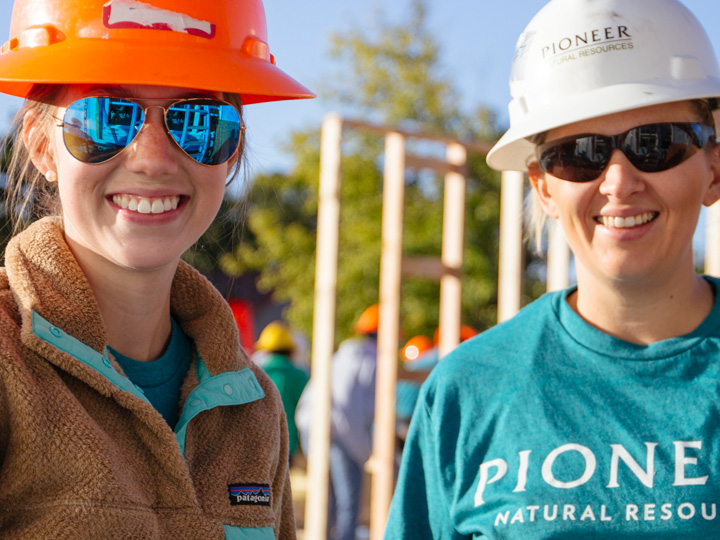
(98, 61)
(514, 151)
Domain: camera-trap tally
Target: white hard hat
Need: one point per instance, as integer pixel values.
(580, 59)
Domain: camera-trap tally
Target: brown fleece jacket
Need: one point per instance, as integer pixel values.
(80, 458)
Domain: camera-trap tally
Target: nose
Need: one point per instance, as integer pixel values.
(151, 152)
(621, 180)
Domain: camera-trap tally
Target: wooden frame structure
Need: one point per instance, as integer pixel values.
(393, 266)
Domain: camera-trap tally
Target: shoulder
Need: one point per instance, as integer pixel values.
(498, 360)
(357, 347)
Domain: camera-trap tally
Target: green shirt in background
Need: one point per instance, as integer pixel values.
(290, 381)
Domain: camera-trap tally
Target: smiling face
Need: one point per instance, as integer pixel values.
(628, 225)
(143, 208)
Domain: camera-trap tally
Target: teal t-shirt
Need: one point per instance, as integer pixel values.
(545, 427)
(161, 379)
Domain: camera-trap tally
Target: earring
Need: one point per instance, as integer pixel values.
(51, 176)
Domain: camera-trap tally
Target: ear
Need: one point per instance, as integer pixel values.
(712, 194)
(540, 185)
(36, 140)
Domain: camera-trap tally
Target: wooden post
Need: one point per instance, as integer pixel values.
(326, 261)
(558, 257)
(383, 457)
(511, 244)
(452, 250)
(712, 240)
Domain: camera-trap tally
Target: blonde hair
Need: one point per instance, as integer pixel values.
(29, 195)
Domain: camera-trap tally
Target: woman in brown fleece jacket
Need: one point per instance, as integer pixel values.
(128, 409)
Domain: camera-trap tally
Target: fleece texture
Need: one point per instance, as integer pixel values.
(82, 459)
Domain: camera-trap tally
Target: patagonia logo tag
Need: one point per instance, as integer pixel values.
(249, 494)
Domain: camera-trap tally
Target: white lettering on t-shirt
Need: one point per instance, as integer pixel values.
(686, 511)
(681, 461)
(522, 471)
(705, 515)
(620, 453)
(501, 466)
(518, 517)
(590, 464)
(588, 514)
(687, 459)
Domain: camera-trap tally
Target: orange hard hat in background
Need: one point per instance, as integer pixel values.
(415, 347)
(217, 45)
(466, 332)
(368, 321)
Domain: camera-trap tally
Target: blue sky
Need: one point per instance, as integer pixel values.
(477, 39)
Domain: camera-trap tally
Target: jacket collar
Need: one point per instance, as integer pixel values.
(45, 277)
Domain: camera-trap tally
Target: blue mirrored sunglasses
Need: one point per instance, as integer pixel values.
(98, 128)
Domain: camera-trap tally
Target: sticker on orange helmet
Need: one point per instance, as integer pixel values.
(133, 14)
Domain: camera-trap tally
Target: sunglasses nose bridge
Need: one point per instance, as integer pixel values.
(163, 112)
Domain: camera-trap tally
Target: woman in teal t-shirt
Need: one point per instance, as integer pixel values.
(594, 413)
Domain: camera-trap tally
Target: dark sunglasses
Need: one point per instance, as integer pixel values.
(98, 128)
(650, 148)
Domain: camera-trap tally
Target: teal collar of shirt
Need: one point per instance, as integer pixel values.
(225, 389)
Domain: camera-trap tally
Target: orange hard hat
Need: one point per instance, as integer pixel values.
(368, 321)
(218, 45)
(415, 346)
(466, 332)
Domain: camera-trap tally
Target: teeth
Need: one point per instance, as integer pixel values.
(144, 205)
(628, 222)
(157, 207)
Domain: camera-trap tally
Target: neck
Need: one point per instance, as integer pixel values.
(134, 304)
(643, 312)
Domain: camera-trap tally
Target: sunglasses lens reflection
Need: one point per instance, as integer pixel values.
(95, 129)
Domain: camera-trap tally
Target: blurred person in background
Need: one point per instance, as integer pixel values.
(352, 416)
(418, 357)
(276, 341)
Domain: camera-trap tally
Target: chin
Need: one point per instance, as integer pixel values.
(148, 260)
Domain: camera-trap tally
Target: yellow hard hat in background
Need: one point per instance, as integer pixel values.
(275, 337)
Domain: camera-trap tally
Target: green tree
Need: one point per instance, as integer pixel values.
(392, 75)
